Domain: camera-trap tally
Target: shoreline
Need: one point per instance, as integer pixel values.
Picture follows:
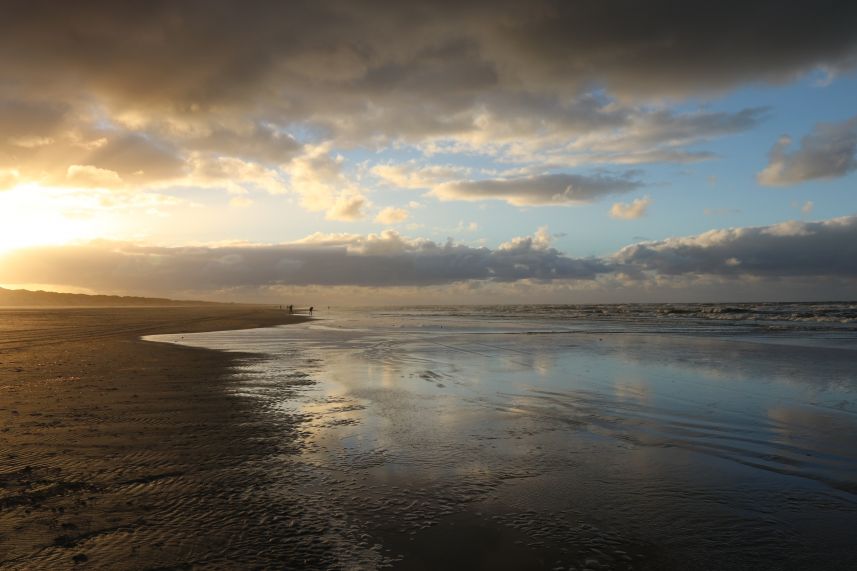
(103, 434)
(307, 448)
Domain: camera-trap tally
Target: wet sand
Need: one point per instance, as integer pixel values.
(124, 454)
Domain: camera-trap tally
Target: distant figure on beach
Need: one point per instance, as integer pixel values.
(310, 310)
(291, 309)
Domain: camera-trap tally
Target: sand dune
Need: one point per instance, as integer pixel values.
(28, 298)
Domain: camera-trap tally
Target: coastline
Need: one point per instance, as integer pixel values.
(358, 446)
(103, 435)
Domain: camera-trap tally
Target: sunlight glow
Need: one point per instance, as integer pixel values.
(31, 215)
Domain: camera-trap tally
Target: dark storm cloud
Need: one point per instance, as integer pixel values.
(827, 248)
(668, 47)
(539, 190)
(828, 151)
(211, 52)
(409, 68)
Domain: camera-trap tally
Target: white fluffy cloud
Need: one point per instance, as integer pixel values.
(348, 205)
(630, 210)
(322, 185)
(391, 215)
(235, 175)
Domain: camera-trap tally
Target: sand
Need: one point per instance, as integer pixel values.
(323, 446)
(108, 443)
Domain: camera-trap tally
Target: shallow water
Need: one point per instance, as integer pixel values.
(483, 439)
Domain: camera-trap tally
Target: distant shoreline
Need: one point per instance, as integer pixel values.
(42, 298)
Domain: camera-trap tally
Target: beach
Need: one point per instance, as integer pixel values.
(105, 439)
(425, 438)
(470, 285)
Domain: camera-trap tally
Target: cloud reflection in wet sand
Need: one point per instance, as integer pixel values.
(573, 450)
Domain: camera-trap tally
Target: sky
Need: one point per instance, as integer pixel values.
(354, 152)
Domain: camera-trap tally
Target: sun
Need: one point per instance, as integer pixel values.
(32, 215)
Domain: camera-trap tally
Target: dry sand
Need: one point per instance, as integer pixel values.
(125, 454)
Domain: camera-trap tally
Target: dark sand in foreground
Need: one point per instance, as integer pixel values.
(124, 454)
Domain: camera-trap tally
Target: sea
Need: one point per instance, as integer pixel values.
(644, 436)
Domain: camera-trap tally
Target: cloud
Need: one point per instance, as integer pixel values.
(322, 185)
(564, 84)
(586, 129)
(235, 175)
(347, 206)
(828, 151)
(820, 249)
(540, 241)
(651, 136)
(540, 190)
(24, 120)
(414, 176)
(792, 259)
(251, 142)
(630, 210)
(137, 157)
(198, 57)
(375, 260)
(807, 207)
(681, 128)
(391, 215)
(88, 175)
(51, 150)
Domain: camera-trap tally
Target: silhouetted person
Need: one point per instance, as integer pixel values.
(291, 309)
(310, 310)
